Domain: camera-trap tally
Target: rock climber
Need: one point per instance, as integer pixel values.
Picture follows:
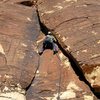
(49, 43)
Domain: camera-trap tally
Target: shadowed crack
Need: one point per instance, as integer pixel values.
(34, 74)
(27, 3)
(44, 91)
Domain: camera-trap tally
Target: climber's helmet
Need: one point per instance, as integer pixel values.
(49, 33)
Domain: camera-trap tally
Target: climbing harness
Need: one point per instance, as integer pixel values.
(49, 43)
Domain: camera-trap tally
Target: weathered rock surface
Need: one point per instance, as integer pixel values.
(15, 1)
(56, 80)
(53, 76)
(28, 3)
(76, 25)
(19, 30)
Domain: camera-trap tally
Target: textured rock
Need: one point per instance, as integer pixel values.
(53, 76)
(56, 80)
(15, 1)
(76, 25)
(12, 96)
(19, 30)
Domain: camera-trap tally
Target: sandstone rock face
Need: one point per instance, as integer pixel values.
(76, 25)
(52, 76)
(56, 80)
(19, 30)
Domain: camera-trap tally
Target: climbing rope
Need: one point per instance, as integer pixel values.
(59, 83)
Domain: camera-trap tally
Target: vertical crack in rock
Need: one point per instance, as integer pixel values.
(34, 74)
(44, 29)
(74, 63)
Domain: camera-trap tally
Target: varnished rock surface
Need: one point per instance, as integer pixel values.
(76, 25)
(19, 30)
(56, 80)
(53, 76)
